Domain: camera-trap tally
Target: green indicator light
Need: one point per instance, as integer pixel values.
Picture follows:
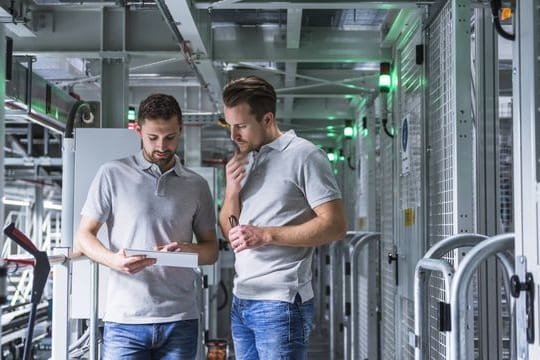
(331, 135)
(131, 114)
(331, 156)
(385, 81)
(348, 130)
(385, 78)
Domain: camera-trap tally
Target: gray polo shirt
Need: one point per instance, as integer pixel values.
(144, 208)
(285, 180)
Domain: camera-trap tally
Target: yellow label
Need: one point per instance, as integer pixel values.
(409, 216)
(361, 223)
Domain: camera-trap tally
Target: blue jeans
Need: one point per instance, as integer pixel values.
(268, 330)
(166, 341)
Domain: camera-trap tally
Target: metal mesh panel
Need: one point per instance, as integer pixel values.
(410, 102)
(363, 316)
(410, 182)
(407, 324)
(505, 174)
(368, 173)
(388, 289)
(441, 134)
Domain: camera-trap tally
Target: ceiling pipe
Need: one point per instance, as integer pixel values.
(184, 48)
(35, 117)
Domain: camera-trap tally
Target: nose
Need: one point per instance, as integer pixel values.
(234, 133)
(160, 144)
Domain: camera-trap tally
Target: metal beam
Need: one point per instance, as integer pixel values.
(294, 27)
(400, 23)
(194, 46)
(234, 44)
(274, 5)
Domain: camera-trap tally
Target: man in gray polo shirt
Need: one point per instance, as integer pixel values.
(150, 201)
(282, 190)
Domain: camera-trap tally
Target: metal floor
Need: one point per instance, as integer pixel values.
(319, 345)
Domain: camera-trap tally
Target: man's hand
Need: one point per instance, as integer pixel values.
(130, 264)
(235, 172)
(244, 237)
(177, 246)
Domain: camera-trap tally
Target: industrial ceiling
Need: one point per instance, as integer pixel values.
(322, 57)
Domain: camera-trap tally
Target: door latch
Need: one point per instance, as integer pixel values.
(516, 287)
(391, 258)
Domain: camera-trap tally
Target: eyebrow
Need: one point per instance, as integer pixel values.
(169, 134)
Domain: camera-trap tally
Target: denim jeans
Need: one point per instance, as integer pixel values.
(268, 330)
(166, 341)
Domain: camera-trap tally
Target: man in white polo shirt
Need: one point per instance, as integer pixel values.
(282, 190)
(150, 201)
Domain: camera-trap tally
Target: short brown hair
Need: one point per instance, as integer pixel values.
(159, 106)
(251, 90)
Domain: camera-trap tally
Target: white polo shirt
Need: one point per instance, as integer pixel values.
(286, 179)
(144, 208)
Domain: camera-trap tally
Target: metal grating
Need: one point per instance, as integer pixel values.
(441, 129)
(407, 324)
(410, 182)
(410, 104)
(363, 309)
(388, 276)
(363, 184)
(505, 174)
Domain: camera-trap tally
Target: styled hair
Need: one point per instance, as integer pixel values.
(159, 106)
(251, 90)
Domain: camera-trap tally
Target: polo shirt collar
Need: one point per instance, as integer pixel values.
(282, 141)
(144, 164)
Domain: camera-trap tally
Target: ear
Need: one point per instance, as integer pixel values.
(138, 130)
(268, 118)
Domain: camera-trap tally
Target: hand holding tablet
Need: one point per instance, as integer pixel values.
(168, 258)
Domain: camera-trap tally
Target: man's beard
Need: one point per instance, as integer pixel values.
(162, 161)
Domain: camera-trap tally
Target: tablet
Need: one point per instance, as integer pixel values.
(169, 258)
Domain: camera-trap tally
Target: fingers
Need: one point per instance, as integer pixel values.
(241, 238)
(170, 247)
(237, 164)
(134, 264)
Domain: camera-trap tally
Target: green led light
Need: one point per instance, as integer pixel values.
(365, 132)
(331, 156)
(331, 134)
(385, 81)
(341, 158)
(131, 114)
(348, 130)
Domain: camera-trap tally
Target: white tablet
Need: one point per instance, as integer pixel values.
(168, 258)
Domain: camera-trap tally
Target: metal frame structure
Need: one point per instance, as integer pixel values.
(355, 248)
(526, 112)
(461, 331)
(433, 261)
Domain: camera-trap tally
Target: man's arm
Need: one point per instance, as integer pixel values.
(234, 172)
(87, 242)
(206, 247)
(328, 225)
